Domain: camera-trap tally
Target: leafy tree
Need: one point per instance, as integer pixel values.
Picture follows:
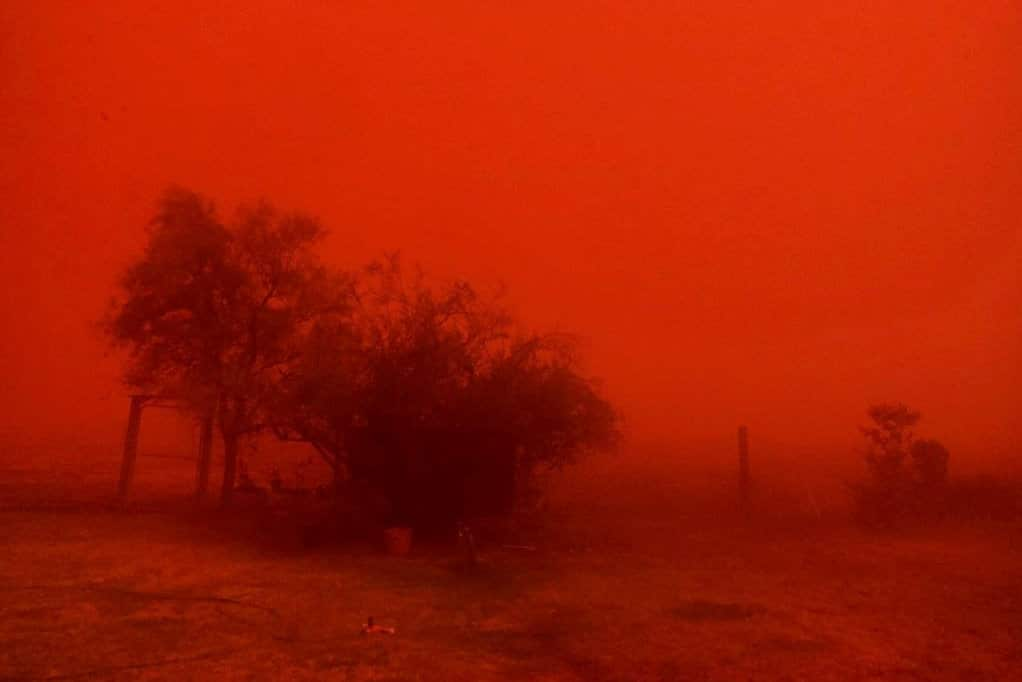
(889, 439)
(906, 475)
(430, 395)
(213, 313)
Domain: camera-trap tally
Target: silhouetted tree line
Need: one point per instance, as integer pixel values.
(432, 395)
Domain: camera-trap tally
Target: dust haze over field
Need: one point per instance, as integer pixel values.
(750, 214)
(758, 214)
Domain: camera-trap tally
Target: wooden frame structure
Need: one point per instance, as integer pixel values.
(131, 436)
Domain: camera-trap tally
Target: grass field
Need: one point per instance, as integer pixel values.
(631, 579)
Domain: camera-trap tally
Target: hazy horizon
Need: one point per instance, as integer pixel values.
(772, 217)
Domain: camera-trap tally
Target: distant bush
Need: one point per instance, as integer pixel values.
(907, 478)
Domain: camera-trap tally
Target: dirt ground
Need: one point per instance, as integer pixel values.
(666, 590)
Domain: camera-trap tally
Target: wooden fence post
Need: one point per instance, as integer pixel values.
(743, 468)
(130, 445)
(205, 455)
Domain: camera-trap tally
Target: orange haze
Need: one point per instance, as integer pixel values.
(758, 212)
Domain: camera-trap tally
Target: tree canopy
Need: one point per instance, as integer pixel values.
(426, 379)
(906, 474)
(426, 391)
(212, 313)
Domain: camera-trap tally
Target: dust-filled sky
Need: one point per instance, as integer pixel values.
(770, 213)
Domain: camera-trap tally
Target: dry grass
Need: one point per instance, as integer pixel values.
(617, 590)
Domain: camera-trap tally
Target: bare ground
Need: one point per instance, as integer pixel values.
(613, 591)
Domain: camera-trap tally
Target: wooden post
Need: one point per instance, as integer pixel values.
(130, 445)
(205, 455)
(230, 468)
(743, 468)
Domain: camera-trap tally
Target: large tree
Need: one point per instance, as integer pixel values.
(213, 313)
(427, 392)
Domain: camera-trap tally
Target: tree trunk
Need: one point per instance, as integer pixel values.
(230, 468)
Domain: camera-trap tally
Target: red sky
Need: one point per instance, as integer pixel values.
(759, 212)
